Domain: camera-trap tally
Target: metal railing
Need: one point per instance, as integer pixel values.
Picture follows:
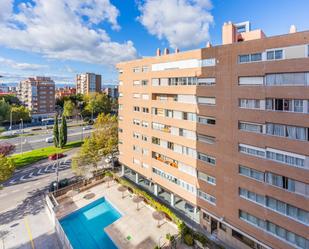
(50, 203)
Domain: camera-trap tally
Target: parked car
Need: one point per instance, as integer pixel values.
(56, 156)
(87, 127)
(61, 184)
(49, 139)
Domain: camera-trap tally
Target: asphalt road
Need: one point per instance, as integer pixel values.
(28, 143)
(31, 179)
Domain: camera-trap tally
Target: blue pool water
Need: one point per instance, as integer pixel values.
(85, 227)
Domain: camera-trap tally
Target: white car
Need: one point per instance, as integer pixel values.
(88, 127)
(49, 139)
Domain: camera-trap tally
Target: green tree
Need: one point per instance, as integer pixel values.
(7, 167)
(103, 142)
(68, 108)
(98, 103)
(20, 112)
(56, 132)
(11, 99)
(63, 135)
(5, 109)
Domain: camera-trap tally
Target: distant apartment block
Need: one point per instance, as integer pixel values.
(221, 135)
(38, 95)
(88, 83)
(111, 91)
(65, 91)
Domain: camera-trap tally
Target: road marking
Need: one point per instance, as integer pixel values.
(29, 232)
(4, 194)
(31, 174)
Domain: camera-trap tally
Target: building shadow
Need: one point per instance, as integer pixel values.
(33, 204)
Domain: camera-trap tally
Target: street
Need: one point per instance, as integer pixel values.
(28, 143)
(22, 204)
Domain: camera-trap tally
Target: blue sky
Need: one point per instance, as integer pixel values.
(60, 38)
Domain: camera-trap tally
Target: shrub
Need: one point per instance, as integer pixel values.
(188, 239)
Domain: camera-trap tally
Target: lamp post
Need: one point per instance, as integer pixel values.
(82, 126)
(57, 168)
(21, 136)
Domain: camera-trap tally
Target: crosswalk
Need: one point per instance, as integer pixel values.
(36, 172)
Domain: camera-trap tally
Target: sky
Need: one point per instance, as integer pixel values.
(60, 38)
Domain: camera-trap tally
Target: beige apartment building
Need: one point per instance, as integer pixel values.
(38, 95)
(88, 83)
(220, 134)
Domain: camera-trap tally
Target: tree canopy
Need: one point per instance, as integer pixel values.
(68, 108)
(6, 167)
(103, 141)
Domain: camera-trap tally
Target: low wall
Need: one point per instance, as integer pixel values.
(50, 207)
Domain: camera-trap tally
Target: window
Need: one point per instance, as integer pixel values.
(136, 122)
(120, 94)
(287, 183)
(135, 108)
(145, 96)
(288, 210)
(275, 54)
(136, 82)
(251, 80)
(145, 109)
(206, 139)
(275, 230)
(206, 197)
(244, 58)
(256, 57)
(206, 81)
(250, 103)
(136, 135)
(144, 82)
(120, 107)
(145, 124)
(250, 58)
(206, 100)
(206, 217)
(287, 79)
(222, 226)
(206, 178)
(252, 173)
(251, 150)
(206, 158)
(291, 159)
(136, 70)
(252, 127)
(145, 69)
(292, 132)
(144, 138)
(257, 198)
(207, 120)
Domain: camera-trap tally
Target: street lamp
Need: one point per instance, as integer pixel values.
(57, 168)
(21, 136)
(82, 126)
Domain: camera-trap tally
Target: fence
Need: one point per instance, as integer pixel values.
(51, 204)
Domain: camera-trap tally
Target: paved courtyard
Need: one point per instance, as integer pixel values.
(135, 229)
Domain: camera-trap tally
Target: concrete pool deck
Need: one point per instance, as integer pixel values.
(135, 229)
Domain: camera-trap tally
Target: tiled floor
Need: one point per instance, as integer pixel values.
(135, 229)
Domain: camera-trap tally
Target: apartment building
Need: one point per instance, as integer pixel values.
(38, 95)
(111, 91)
(220, 134)
(88, 83)
(65, 91)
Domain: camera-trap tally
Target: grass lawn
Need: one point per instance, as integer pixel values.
(36, 155)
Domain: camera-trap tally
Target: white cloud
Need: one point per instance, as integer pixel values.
(21, 66)
(66, 29)
(183, 23)
(5, 9)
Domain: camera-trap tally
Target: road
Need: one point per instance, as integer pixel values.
(38, 141)
(22, 207)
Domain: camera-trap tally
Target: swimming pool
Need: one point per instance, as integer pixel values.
(85, 227)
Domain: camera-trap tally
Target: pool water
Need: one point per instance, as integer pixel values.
(85, 227)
